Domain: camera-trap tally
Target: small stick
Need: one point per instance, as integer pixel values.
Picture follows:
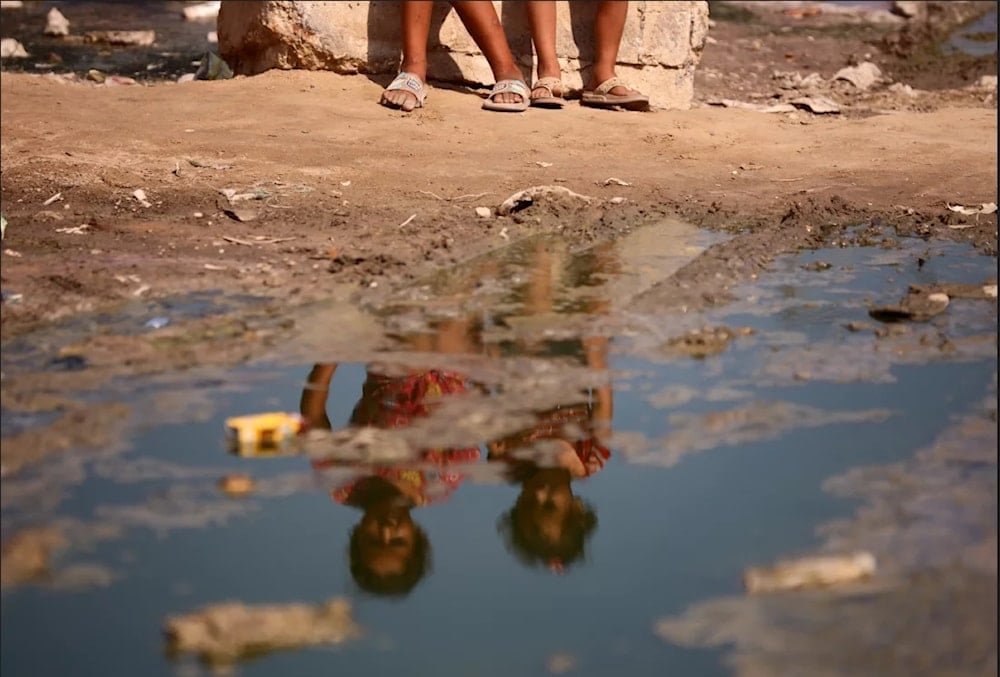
(412, 216)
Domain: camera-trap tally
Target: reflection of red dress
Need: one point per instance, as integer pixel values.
(394, 402)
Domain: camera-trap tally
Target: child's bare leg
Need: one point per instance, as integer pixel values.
(416, 24)
(542, 19)
(483, 24)
(609, 25)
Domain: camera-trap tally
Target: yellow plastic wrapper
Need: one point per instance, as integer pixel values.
(262, 434)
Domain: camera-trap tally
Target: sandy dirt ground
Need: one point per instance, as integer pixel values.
(355, 195)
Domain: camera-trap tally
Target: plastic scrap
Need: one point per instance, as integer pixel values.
(261, 434)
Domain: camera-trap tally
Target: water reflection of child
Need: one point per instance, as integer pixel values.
(548, 524)
(388, 552)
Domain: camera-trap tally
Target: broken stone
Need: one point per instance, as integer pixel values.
(56, 24)
(484, 212)
(817, 104)
(863, 76)
(225, 633)
(12, 49)
(917, 307)
(810, 572)
(122, 38)
(140, 196)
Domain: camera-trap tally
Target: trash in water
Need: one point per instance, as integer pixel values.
(157, 322)
(262, 433)
(56, 24)
(122, 38)
(213, 67)
(11, 48)
(810, 572)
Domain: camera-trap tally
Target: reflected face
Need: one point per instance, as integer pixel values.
(386, 539)
(546, 502)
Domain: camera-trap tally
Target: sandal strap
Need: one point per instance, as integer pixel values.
(610, 84)
(514, 86)
(409, 82)
(551, 84)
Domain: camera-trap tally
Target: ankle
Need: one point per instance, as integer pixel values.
(418, 68)
(548, 69)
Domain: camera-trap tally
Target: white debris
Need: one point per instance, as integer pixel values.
(11, 4)
(617, 200)
(612, 181)
(984, 208)
(484, 212)
(203, 11)
(904, 90)
(140, 197)
(543, 164)
(54, 198)
(522, 198)
(759, 107)
(990, 290)
(187, 77)
(863, 76)
(817, 104)
(123, 38)
(56, 24)
(11, 48)
(212, 37)
(82, 229)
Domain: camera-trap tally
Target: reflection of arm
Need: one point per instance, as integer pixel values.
(312, 406)
(596, 349)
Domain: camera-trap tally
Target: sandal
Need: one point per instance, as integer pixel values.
(601, 97)
(410, 83)
(554, 87)
(515, 87)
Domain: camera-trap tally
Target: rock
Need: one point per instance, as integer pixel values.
(213, 68)
(12, 49)
(484, 212)
(816, 104)
(920, 305)
(903, 90)
(225, 633)
(810, 572)
(863, 76)
(660, 49)
(56, 24)
(122, 38)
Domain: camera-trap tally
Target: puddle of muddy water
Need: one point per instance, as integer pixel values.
(687, 469)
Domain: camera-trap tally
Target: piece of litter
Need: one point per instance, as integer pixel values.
(984, 208)
(543, 165)
(862, 76)
(810, 572)
(141, 290)
(187, 77)
(212, 266)
(484, 212)
(12, 253)
(407, 221)
(197, 215)
(56, 24)
(157, 322)
(11, 48)
(82, 229)
(503, 233)
(617, 200)
(140, 196)
(54, 198)
(12, 297)
(990, 290)
(962, 226)
(345, 184)
(202, 11)
(615, 182)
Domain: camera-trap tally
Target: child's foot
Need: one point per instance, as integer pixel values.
(406, 92)
(548, 92)
(508, 94)
(612, 92)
